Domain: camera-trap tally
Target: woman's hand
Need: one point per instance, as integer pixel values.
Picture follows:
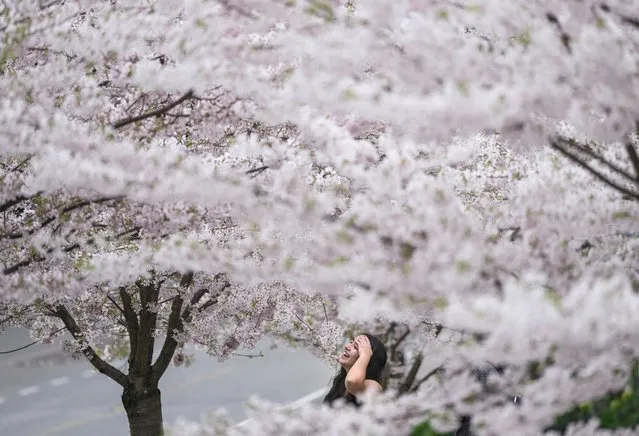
(364, 346)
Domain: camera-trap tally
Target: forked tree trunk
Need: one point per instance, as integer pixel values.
(144, 411)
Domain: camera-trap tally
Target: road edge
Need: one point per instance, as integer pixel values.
(294, 405)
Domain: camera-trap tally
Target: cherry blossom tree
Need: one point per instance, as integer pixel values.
(212, 171)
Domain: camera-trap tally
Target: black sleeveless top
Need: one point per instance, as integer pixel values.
(352, 399)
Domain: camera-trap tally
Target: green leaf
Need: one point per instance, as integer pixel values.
(349, 95)
(339, 260)
(289, 263)
(407, 250)
(424, 429)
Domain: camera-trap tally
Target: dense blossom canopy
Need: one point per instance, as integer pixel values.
(390, 158)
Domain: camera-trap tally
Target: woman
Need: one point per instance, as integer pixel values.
(362, 365)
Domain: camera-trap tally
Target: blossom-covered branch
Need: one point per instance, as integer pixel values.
(93, 358)
(154, 113)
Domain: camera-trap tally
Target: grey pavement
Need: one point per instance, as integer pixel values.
(44, 393)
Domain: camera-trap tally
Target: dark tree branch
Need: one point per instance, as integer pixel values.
(597, 174)
(134, 232)
(21, 164)
(394, 346)
(213, 299)
(390, 330)
(177, 115)
(402, 337)
(516, 232)
(26, 262)
(83, 203)
(132, 326)
(146, 330)
(197, 296)
(140, 97)
(208, 304)
(67, 249)
(174, 326)
(630, 20)
(16, 315)
(632, 153)
(88, 351)
(115, 303)
(624, 18)
(412, 374)
(66, 210)
(186, 280)
(421, 381)
(565, 38)
(40, 258)
(302, 321)
(166, 300)
(154, 113)
(19, 199)
(257, 171)
(571, 143)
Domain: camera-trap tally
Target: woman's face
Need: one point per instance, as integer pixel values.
(350, 355)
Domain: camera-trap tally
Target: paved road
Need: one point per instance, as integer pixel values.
(42, 393)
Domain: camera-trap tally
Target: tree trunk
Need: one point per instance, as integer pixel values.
(144, 411)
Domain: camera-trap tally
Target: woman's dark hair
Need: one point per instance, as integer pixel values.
(374, 371)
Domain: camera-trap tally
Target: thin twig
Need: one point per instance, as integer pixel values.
(440, 327)
(30, 344)
(115, 303)
(250, 356)
(16, 315)
(302, 321)
(21, 163)
(140, 97)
